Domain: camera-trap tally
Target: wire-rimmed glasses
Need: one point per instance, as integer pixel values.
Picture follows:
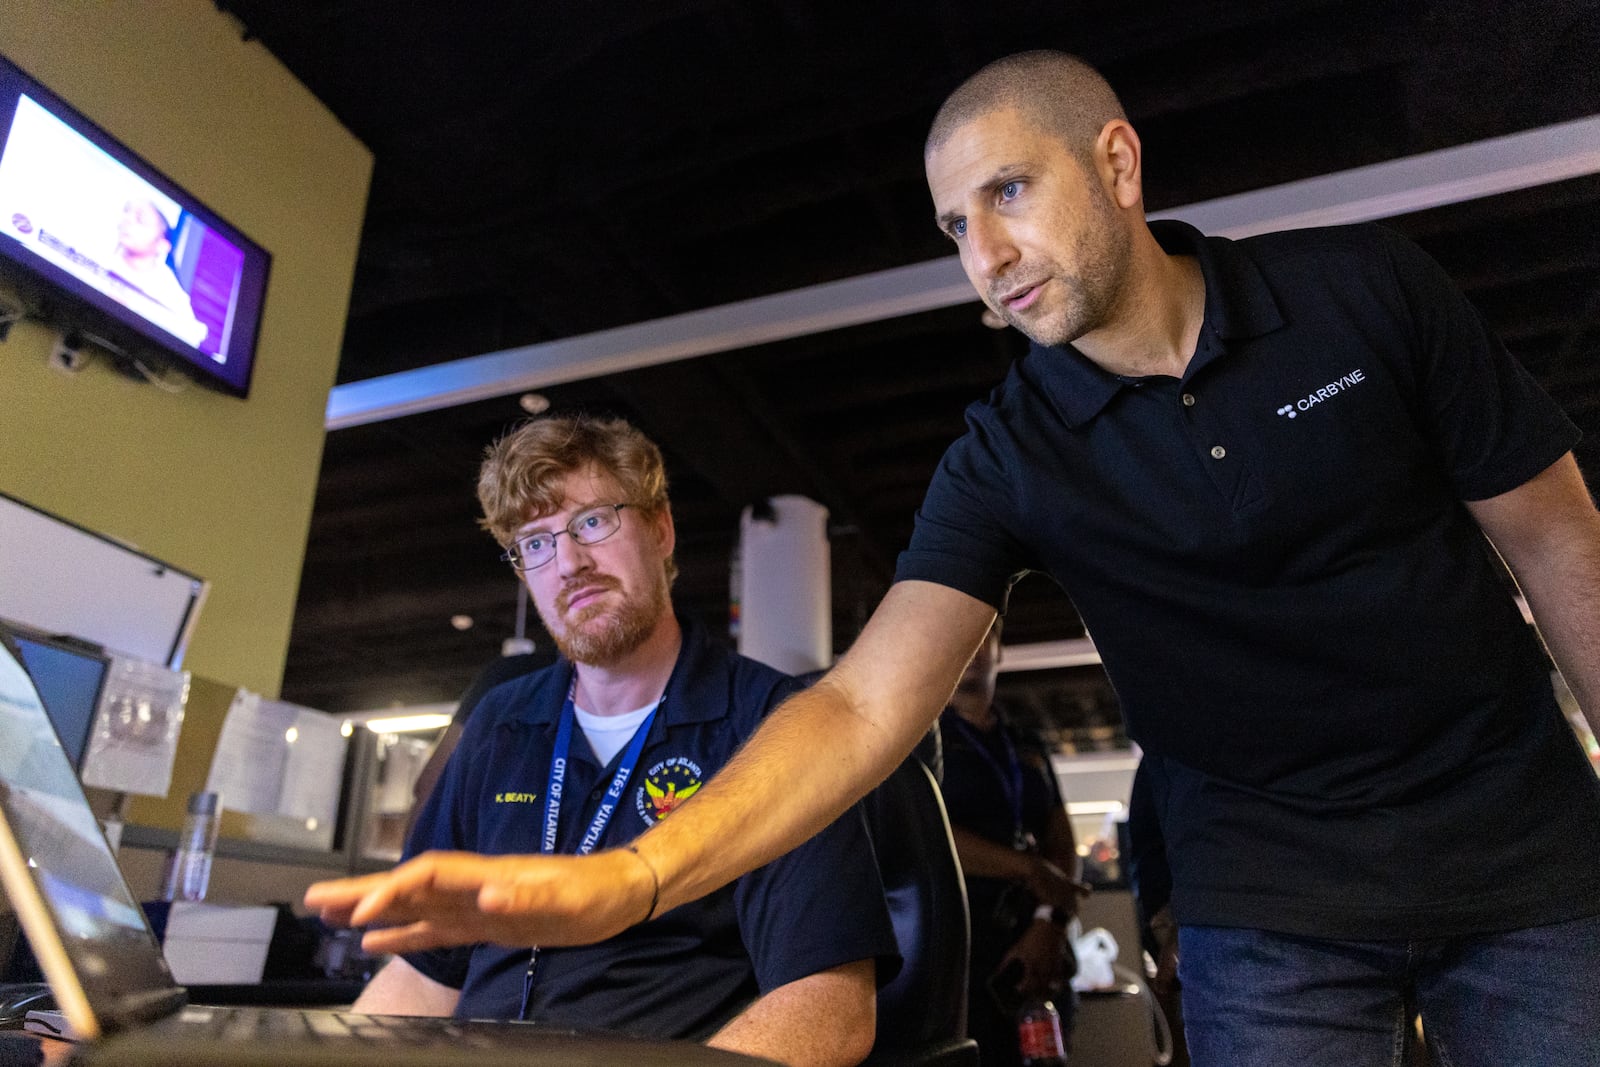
(589, 527)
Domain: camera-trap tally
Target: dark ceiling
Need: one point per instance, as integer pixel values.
(548, 170)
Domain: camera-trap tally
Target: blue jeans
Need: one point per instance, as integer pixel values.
(1527, 998)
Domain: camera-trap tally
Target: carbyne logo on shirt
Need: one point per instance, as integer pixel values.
(1323, 394)
(515, 798)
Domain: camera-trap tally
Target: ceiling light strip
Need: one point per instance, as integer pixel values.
(814, 309)
(1381, 190)
(1402, 186)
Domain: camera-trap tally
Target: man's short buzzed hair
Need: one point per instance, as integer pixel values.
(1058, 92)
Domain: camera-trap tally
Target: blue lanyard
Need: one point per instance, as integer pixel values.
(558, 778)
(1010, 776)
(602, 815)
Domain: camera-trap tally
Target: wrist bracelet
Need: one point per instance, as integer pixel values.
(655, 882)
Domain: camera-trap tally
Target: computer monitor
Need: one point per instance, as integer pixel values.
(69, 676)
(58, 577)
(104, 245)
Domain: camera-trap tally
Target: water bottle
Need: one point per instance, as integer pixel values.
(190, 871)
(1039, 1035)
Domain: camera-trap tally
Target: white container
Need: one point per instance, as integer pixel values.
(217, 944)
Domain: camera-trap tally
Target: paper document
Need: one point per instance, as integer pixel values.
(275, 758)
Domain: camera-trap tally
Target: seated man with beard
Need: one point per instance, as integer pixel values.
(639, 711)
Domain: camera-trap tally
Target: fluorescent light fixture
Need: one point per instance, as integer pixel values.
(1095, 807)
(1095, 762)
(407, 724)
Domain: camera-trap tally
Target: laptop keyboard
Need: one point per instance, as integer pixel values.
(249, 1025)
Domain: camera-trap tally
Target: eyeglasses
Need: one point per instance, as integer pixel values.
(531, 551)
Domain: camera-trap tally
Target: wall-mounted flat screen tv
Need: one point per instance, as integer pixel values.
(105, 245)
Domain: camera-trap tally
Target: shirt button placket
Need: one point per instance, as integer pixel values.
(1217, 451)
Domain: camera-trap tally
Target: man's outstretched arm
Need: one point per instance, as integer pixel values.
(826, 747)
(1548, 532)
(814, 756)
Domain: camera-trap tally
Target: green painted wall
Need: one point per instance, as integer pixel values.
(214, 485)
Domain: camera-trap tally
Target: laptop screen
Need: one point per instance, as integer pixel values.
(70, 867)
(69, 679)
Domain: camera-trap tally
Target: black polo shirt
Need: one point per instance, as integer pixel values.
(693, 968)
(1353, 730)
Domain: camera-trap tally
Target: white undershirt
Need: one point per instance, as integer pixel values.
(608, 734)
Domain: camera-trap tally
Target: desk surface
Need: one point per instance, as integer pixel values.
(164, 1046)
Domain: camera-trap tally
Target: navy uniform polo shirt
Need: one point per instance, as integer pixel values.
(693, 968)
(977, 796)
(1352, 730)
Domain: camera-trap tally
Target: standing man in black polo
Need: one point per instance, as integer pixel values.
(1264, 471)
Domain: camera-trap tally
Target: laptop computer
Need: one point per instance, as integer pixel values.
(113, 986)
(69, 676)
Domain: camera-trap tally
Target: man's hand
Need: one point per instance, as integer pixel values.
(1040, 950)
(1165, 932)
(461, 898)
(1051, 885)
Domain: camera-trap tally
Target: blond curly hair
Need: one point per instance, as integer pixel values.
(522, 472)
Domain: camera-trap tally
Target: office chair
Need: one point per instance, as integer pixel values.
(922, 1013)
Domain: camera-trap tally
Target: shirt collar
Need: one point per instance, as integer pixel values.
(1239, 306)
